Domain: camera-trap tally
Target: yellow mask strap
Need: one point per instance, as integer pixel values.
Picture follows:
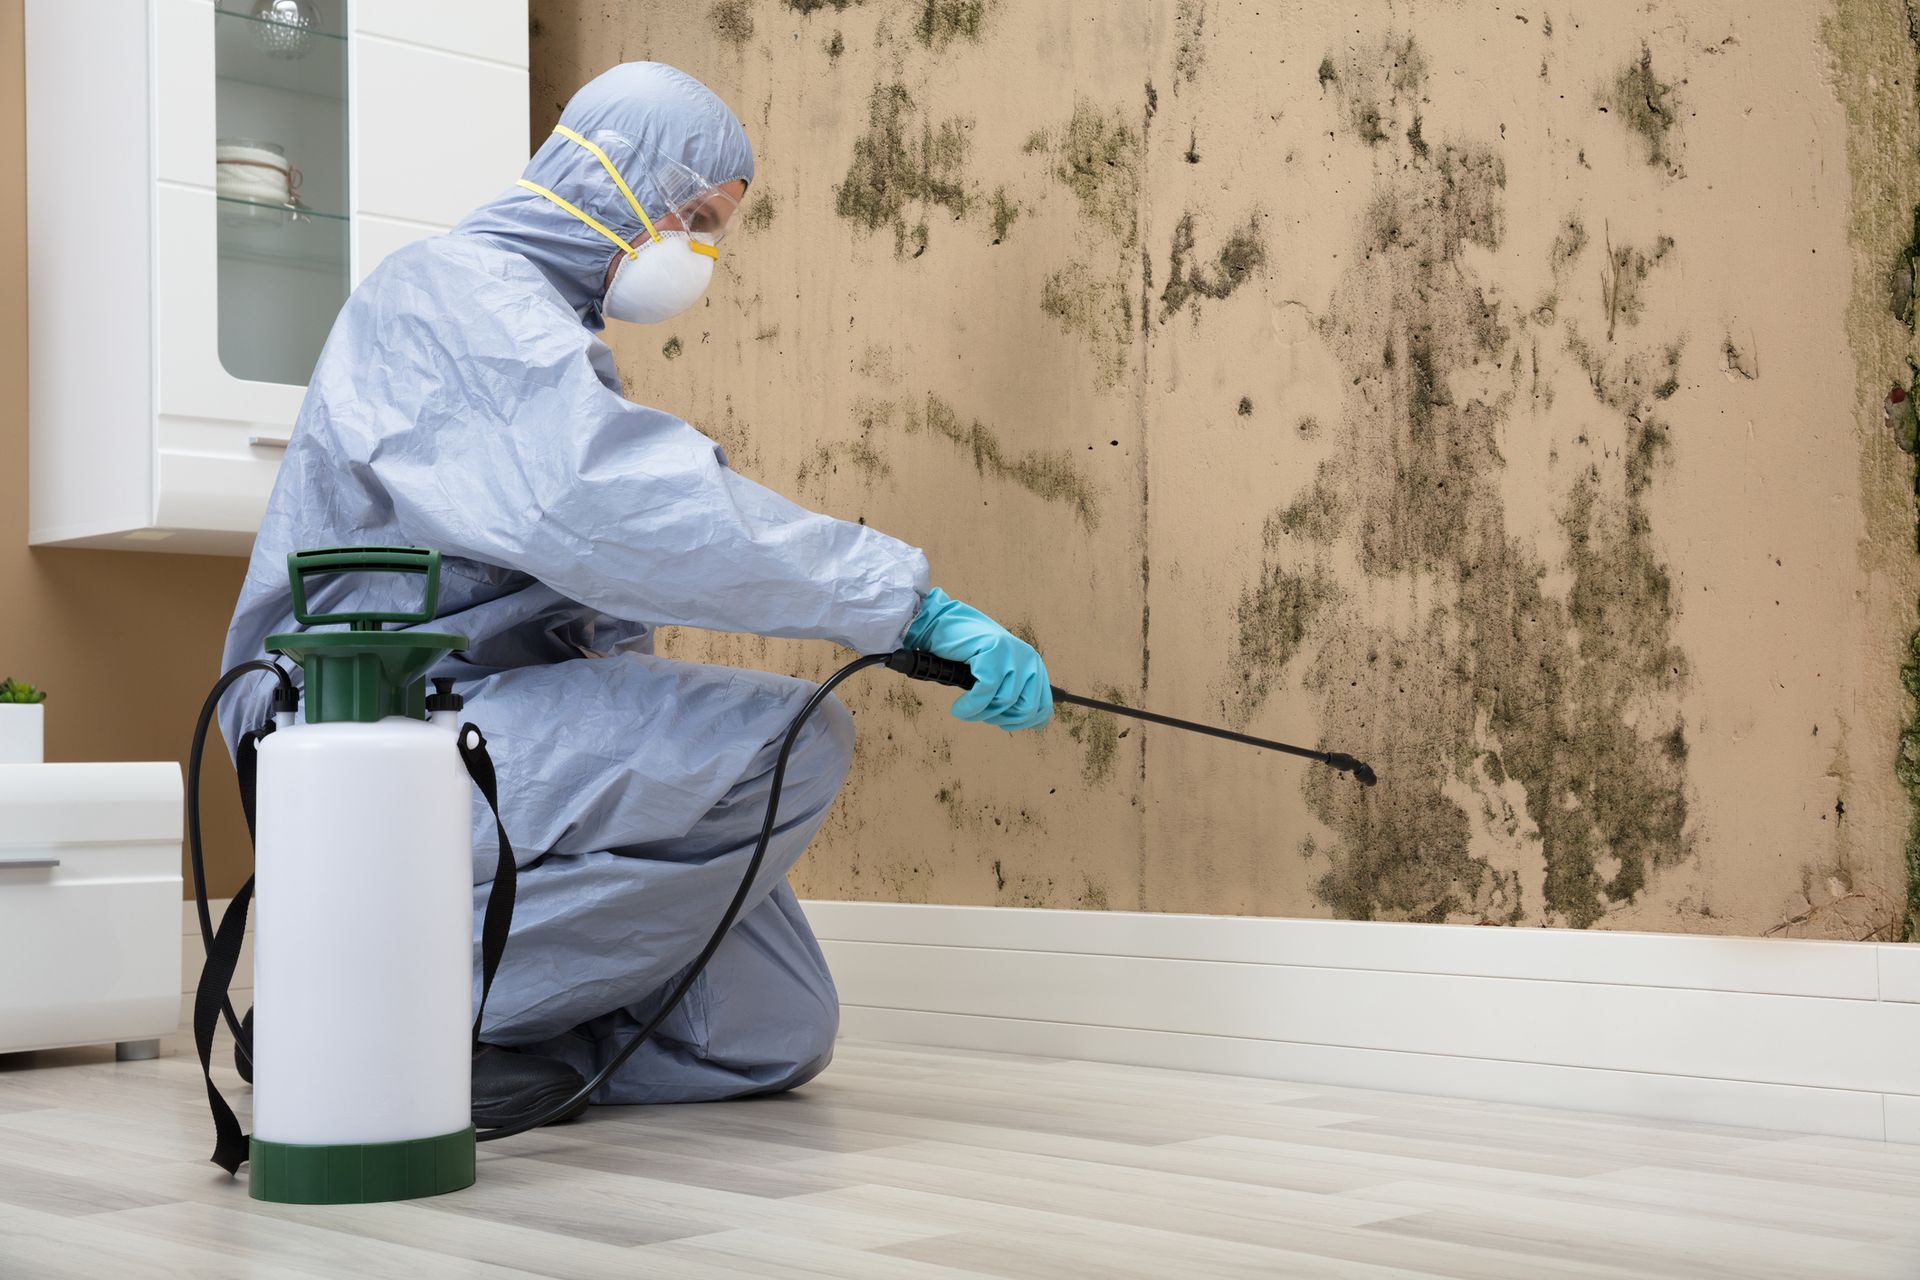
(579, 213)
(613, 173)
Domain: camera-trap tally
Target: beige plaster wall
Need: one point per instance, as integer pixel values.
(1492, 392)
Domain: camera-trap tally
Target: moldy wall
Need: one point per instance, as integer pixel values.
(1494, 392)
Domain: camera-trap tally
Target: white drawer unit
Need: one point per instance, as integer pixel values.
(89, 905)
(206, 181)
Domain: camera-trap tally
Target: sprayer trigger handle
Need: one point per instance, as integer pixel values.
(919, 664)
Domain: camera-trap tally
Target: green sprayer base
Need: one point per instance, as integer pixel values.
(361, 1173)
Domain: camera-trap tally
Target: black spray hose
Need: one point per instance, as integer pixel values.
(919, 665)
(285, 698)
(916, 664)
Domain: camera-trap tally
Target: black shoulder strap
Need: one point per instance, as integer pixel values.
(499, 915)
(216, 975)
(230, 1144)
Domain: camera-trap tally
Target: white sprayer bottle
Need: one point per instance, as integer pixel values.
(363, 951)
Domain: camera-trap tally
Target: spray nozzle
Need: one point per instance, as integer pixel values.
(1362, 772)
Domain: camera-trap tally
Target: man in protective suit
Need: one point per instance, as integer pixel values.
(464, 403)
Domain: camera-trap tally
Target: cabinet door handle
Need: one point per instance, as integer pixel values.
(269, 442)
(19, 864)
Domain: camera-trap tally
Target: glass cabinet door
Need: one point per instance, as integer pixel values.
(280, 70)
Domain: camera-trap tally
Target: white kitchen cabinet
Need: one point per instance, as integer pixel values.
(175, 315)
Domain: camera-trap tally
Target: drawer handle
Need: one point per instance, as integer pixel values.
(269, 442)
(21, 864)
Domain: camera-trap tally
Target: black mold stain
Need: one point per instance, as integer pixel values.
(1317, 515)
(941, 22)
(826, 459)
(966, 815)
(1245, 408)
(1380, 90)
(1097, 157)
(735, 439)
(902, 160)
(1649, 107)
(1189, 23)
(732, 21)
(1568, 245)
(1005, 212)
(1097, 733)
(1271, 622)
(760, 211)
(1900, 283)
(814, 6)
(1739, 360)
(1244, 252)
(1906, 770)
(1095, 308)
(1666, 389)
(835, 47)
(672, 348)
(1623, 275)
(1497, 681)
(1046, 474)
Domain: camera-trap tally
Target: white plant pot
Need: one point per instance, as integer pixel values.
(23, 733)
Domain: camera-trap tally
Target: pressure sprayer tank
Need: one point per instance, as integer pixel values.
(363, 952)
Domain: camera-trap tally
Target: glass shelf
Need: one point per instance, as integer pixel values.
(266, 233)
(281, 209)
(240, 54)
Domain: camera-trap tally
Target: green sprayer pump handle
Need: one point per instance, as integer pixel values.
(304, 564)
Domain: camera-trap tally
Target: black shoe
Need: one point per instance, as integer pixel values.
(510, 1087)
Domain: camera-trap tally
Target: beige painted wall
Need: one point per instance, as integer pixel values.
(126, 644)
(1493, 393)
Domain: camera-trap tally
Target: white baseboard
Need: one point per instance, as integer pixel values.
(1809, 1037)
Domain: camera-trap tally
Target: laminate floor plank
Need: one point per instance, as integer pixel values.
(914, 1163)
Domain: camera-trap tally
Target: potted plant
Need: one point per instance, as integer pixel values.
(22, 726)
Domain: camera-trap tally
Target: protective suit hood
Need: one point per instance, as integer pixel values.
(635, 110)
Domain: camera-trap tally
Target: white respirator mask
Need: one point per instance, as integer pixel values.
(661, 279)
(670, 270)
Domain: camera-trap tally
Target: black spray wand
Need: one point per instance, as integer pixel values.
(921, 665)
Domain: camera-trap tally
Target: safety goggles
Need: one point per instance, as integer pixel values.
(690, 203)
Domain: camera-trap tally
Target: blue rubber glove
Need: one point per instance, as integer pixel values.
(1010, 688)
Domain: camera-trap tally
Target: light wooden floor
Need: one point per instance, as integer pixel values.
(926, 1164)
